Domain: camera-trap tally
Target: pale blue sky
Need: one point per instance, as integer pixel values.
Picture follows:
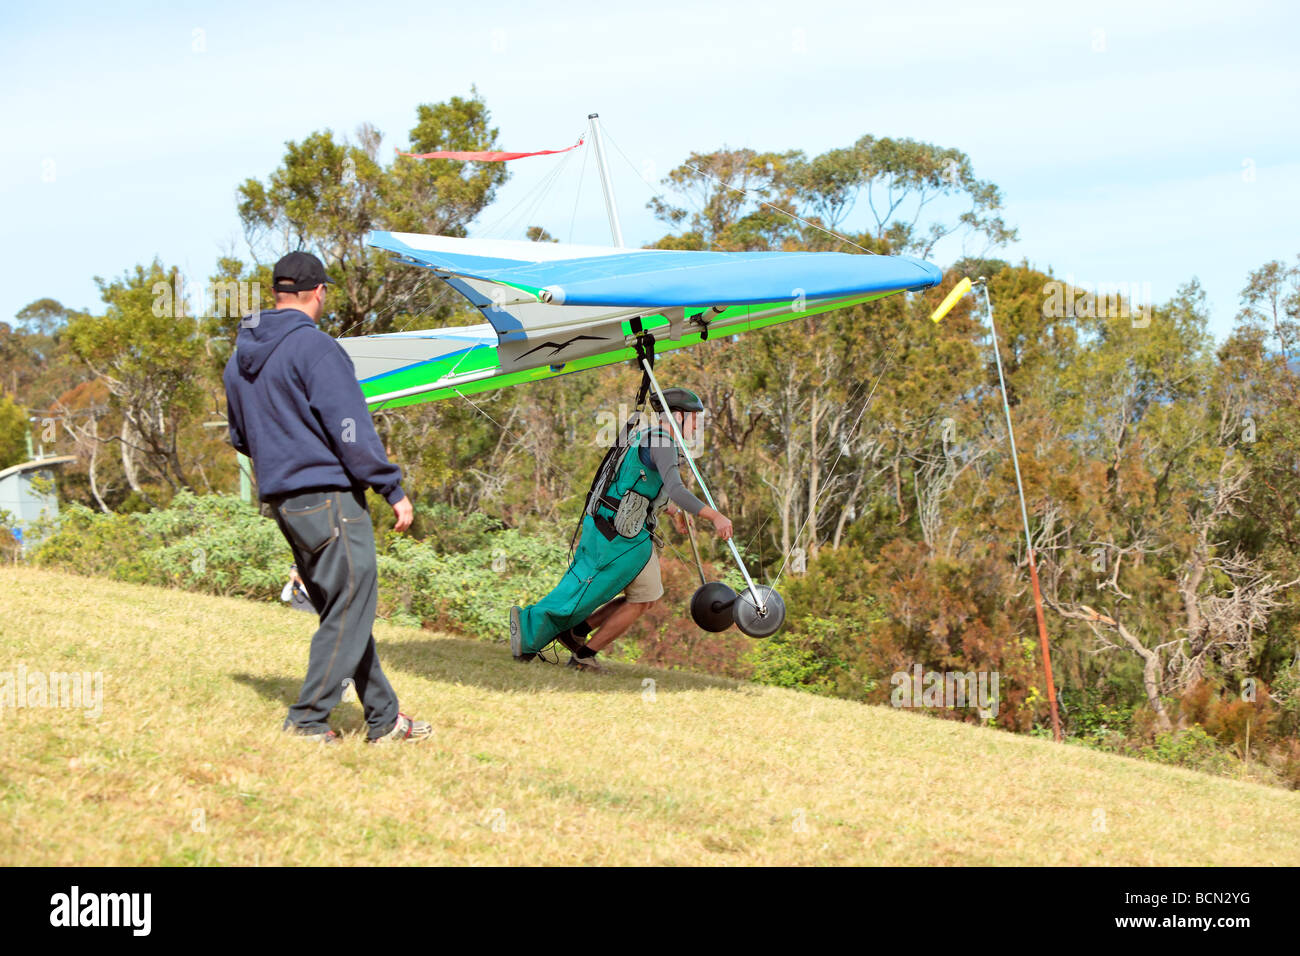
(1133, 143)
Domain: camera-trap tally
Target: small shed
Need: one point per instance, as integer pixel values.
(26, 493)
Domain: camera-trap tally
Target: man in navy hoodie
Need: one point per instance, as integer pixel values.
(295, 408)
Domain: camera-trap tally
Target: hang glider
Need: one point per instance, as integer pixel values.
(554, 308)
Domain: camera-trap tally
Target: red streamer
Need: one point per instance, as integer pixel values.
(487, 157)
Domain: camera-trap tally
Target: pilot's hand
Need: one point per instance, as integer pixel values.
(679, 521)
(721, 523)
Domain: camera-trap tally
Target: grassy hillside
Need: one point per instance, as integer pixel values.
(535, 764)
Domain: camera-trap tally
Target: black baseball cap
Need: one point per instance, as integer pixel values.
(679, 400)
(298, 272)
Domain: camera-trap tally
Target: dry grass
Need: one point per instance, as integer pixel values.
(534, 764)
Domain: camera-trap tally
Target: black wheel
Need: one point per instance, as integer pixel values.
(711, 606)
(760, 614)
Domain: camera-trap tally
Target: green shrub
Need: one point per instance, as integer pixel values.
(448, 529)
(464, 579)
(470, 591)
(97, 545)
(1093, 720)
(1192, 748)
(782, 663)
(215, 544)
(802, 657)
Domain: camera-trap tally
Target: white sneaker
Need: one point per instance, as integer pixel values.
(406, 729)
(517, 637)
(585, 664)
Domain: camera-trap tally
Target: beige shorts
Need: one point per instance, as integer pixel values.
(646, 586)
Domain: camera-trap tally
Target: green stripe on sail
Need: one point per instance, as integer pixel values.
(485, 357)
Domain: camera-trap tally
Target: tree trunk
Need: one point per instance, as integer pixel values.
(814, 476)
(847, 509)
(94, 455)
(1150, 675)
(128, 461)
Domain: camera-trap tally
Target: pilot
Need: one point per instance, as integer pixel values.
(614, 576)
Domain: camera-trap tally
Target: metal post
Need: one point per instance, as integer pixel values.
(690, 528)
(245, 469)
(1024, 514)
(243, 463)
(610, 206)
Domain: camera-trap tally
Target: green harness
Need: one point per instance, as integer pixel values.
(607, 558)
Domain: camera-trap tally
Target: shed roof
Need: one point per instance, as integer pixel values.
(36, 464)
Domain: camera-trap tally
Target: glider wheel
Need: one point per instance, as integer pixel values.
(711, 606)
(755, 622)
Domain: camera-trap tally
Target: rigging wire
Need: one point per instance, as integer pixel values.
(656, 193)
(577, 196)
(497, 228)
(543, 193)
(392, 307)
(439, 298)
(536, 195)
(550, 469)
(746, 192)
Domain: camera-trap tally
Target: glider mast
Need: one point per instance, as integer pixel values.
(610, 206)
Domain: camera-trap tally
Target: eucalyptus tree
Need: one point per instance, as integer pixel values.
(329, 194)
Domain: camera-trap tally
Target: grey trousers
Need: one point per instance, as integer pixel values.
(333, 543)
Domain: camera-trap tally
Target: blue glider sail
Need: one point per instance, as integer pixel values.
(553, 308)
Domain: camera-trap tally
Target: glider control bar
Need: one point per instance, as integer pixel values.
(690, 460)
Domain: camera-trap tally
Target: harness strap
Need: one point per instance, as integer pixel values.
(645, 351)
(605, 527)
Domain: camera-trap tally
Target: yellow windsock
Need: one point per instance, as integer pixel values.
(959, 290)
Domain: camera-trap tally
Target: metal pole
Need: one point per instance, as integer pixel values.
(245, 482)
(690, 528)
(681, 442)
(243, 464)
(1024, 514)
(610, 206)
